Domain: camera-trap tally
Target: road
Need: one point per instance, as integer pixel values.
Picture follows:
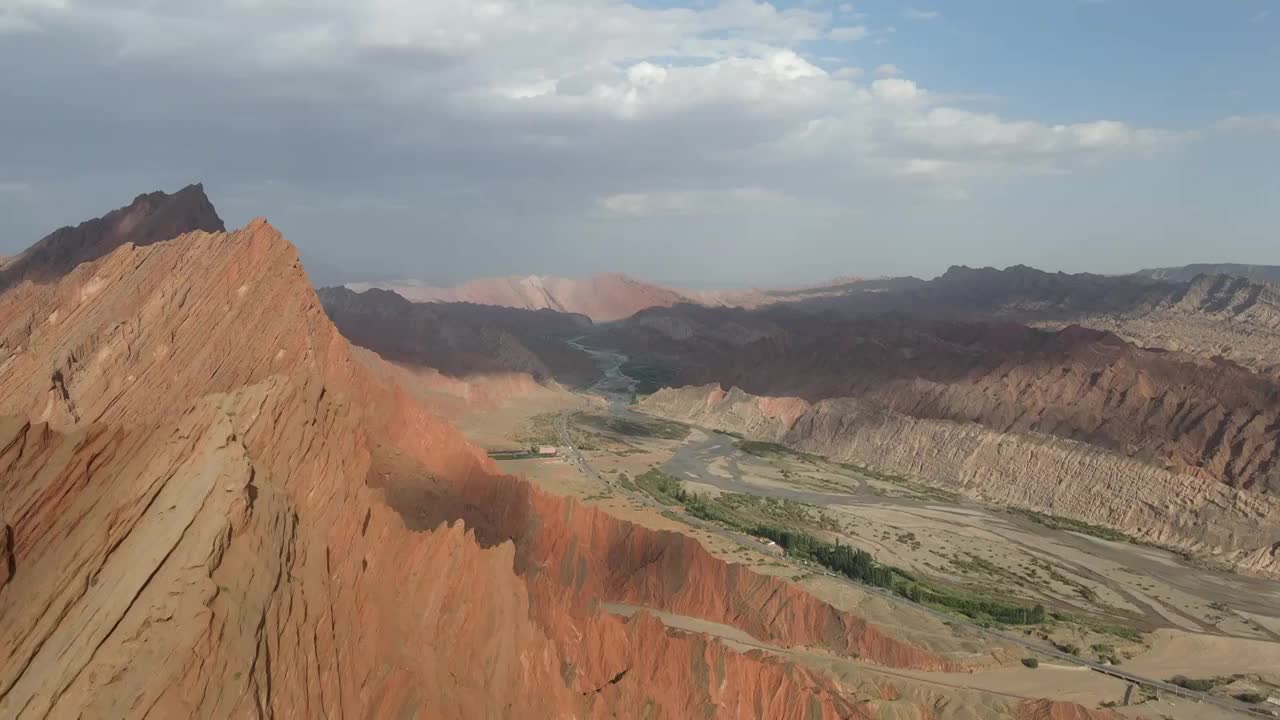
(616, 388)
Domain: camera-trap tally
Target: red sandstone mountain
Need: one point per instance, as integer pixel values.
(210, 509)
(603, 298)
(1210, 418)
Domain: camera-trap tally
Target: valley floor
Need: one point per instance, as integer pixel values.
(1152, 612)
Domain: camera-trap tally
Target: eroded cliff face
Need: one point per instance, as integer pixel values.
(1190, 415)
(209, 509)
(1209, 316)
(1032, 471)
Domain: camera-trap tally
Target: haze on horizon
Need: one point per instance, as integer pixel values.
(725, 142)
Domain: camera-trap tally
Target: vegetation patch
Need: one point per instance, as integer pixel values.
(541, 430)
(927, 492)
(1055, 522)
(650, 376)
(1198, 684)
(647, 428)
(860, 566)
(785, 522)
(771, 450)
(662, 487)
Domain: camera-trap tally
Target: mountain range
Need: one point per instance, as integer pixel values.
(218, 498)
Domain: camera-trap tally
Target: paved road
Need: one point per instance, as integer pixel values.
(616, 390)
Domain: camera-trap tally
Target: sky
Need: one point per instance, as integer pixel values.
(701, 143)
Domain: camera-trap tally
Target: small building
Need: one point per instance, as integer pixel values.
(546, 451)
(509, 453)
(771, 546)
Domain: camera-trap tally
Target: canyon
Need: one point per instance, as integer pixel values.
(214, 506)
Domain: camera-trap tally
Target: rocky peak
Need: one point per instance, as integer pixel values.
(150, 218)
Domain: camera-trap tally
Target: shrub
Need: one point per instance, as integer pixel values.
(1196, 684)
(1031, 662)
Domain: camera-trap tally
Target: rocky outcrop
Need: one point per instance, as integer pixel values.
(149, 218)
(463, 339)
(1209, 316)
(603, 298)
(1025, 470)
(213, 510)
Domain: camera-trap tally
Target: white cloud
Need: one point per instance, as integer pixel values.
(584, 98)
(926, 166)
(1250, 123)
(896, 90)
(916, 14)
(850, 33)
(689, 202)
(22, 16)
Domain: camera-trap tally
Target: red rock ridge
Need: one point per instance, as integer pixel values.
(188, 455)
(191, 534)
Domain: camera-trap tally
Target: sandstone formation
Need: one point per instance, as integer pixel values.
(1026, 470)
(603, 298)
(210, 509)
(1208, 418)
(463, 339)
(1210, 316)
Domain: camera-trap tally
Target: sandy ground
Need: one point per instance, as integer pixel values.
(916, 528)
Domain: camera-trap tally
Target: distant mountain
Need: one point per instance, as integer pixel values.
(603, 298)
(462, 339)
(1187, 273)
(614, 296)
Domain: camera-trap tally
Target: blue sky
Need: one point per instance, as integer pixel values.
(1166, 62)
(719, 142)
